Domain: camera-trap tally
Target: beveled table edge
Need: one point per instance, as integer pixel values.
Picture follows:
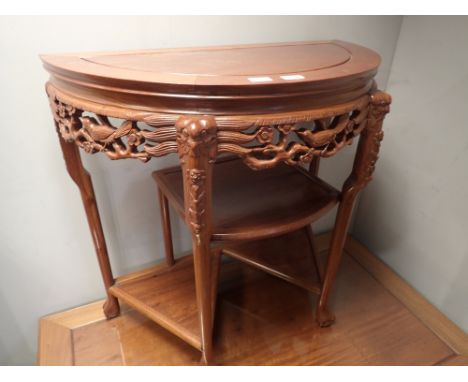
(218, 98)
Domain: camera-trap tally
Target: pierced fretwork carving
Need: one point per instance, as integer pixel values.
(263, 146)
(97, 134)
(261, 143)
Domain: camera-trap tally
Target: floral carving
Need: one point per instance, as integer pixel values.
(261, 143)
(380, 106)
(196, 207)
(67, 119)
(197, 144)
(292, 142)
(97, 134)
(376, 139)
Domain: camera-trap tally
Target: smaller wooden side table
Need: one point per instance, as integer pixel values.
(267, 104)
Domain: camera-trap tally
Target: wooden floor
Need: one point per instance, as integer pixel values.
(262, 320)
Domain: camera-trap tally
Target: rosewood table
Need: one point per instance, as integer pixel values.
(269, 105)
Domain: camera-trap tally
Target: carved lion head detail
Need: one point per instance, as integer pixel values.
(195, 134)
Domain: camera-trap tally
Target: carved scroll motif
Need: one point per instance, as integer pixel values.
(96, 134)
(265, 146)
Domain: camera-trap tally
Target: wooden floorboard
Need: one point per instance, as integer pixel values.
(262, 320)
(433, 318)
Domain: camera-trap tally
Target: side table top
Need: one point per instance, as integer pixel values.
(219, 79)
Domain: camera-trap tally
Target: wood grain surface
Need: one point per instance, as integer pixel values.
(249, 78)
(271, 105)
(262, 320)
(251, 204)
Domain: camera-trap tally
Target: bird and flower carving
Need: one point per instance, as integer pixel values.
(261, 144)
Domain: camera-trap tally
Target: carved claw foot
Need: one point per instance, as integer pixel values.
(325, 317)
(111, 307)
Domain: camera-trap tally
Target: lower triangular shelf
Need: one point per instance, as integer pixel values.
(167, 294)
(167, 297)
(288, 257)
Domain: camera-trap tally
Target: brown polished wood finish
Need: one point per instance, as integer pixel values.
(271, 105)
(166, 227)
(253, 205)
(168, 297)
(82, 179)
(262, 320)
(222, 80)
(296, 264)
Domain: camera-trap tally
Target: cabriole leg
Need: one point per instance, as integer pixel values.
(363, 167)
(82, 179)
(197, 145)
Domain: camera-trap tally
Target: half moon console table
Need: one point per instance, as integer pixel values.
(275, 107)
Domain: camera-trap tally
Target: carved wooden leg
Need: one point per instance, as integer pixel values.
(215, 269)
(196, 140)
(313, 170)
(324, 316)
(363, 167)
(202, 265)
(313, 250)
(166, 227)
(82, 179)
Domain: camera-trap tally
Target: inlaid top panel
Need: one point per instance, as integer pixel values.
(247, 64)
(220, 79)
(242, 61)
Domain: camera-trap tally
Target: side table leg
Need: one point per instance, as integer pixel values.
(324, 316)
(82, 179)
(215, 270)
(197, 146)
(363, 168)
(313, 251)
(166, 227)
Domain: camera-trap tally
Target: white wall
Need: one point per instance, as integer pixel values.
(47, 262)
(414, 214)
